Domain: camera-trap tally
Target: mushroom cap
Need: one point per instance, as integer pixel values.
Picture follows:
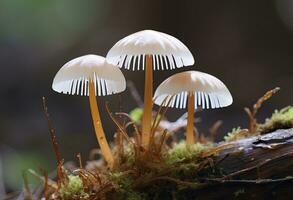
(167, 51)
(209, 92)
(74, 76)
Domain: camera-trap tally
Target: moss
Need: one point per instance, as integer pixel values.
(233, 135)
(181, 152)
(124, 184)
(130, 155)
(136, 114)
(281, 119)
(73, 188)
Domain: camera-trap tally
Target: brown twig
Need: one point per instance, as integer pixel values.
(119, 125)
(160, 115)
(52, 132)
(78, 156)
(252, 112)
(162, 141)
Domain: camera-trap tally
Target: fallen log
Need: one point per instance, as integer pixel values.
(258, 167)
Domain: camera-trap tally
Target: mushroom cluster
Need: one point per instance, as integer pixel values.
(93, 75)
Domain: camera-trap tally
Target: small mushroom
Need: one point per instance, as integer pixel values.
(149, 50)
(193, 89)
(92, 76)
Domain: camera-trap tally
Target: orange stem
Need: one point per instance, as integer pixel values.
(106, 151)
(190, 120)
(148, 102)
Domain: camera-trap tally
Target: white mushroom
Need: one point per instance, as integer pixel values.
(193, 89)
(149, 50)
(92, 76)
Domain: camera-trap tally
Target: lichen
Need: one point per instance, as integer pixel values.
(280, 119)
(182, 152)
(73, 188)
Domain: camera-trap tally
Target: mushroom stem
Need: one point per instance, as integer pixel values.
(148, 103)
(106, 151)
(190, 120)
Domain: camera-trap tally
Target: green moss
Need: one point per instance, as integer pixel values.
(281, 119)
(181, 152)
(136, 115)
(125, 186)
(233, 135)
(73, 188)
(130, 155)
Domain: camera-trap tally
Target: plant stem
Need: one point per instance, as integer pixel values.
(190, 120)
(148, 102)
(106, 151)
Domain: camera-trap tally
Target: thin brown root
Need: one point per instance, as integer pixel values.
(160, 115)
(119, 125)
(28, 192)
(137, 133)
(162, 141)
(55, 145)
(46, 186)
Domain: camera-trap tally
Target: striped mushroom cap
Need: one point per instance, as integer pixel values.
(209, 92)
(167, 51)
(74, 76)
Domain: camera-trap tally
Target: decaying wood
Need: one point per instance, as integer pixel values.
(259, 167)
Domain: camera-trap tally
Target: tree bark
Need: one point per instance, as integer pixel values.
(259, 167)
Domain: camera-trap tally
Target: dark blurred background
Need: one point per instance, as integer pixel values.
(248, 44)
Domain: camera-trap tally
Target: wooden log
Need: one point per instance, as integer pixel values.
(258, 167)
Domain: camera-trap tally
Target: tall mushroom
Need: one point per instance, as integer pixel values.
(92, 76)
(192, 89)
(149, 50)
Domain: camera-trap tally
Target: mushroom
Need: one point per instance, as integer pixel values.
(149, 50)
(193, 89)
(91, 75)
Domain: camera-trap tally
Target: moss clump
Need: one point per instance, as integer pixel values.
(124, 186)
(136, 115)
(130, 155)
(233, 135)
(281, 119)
(73, 188)
(181, 152)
